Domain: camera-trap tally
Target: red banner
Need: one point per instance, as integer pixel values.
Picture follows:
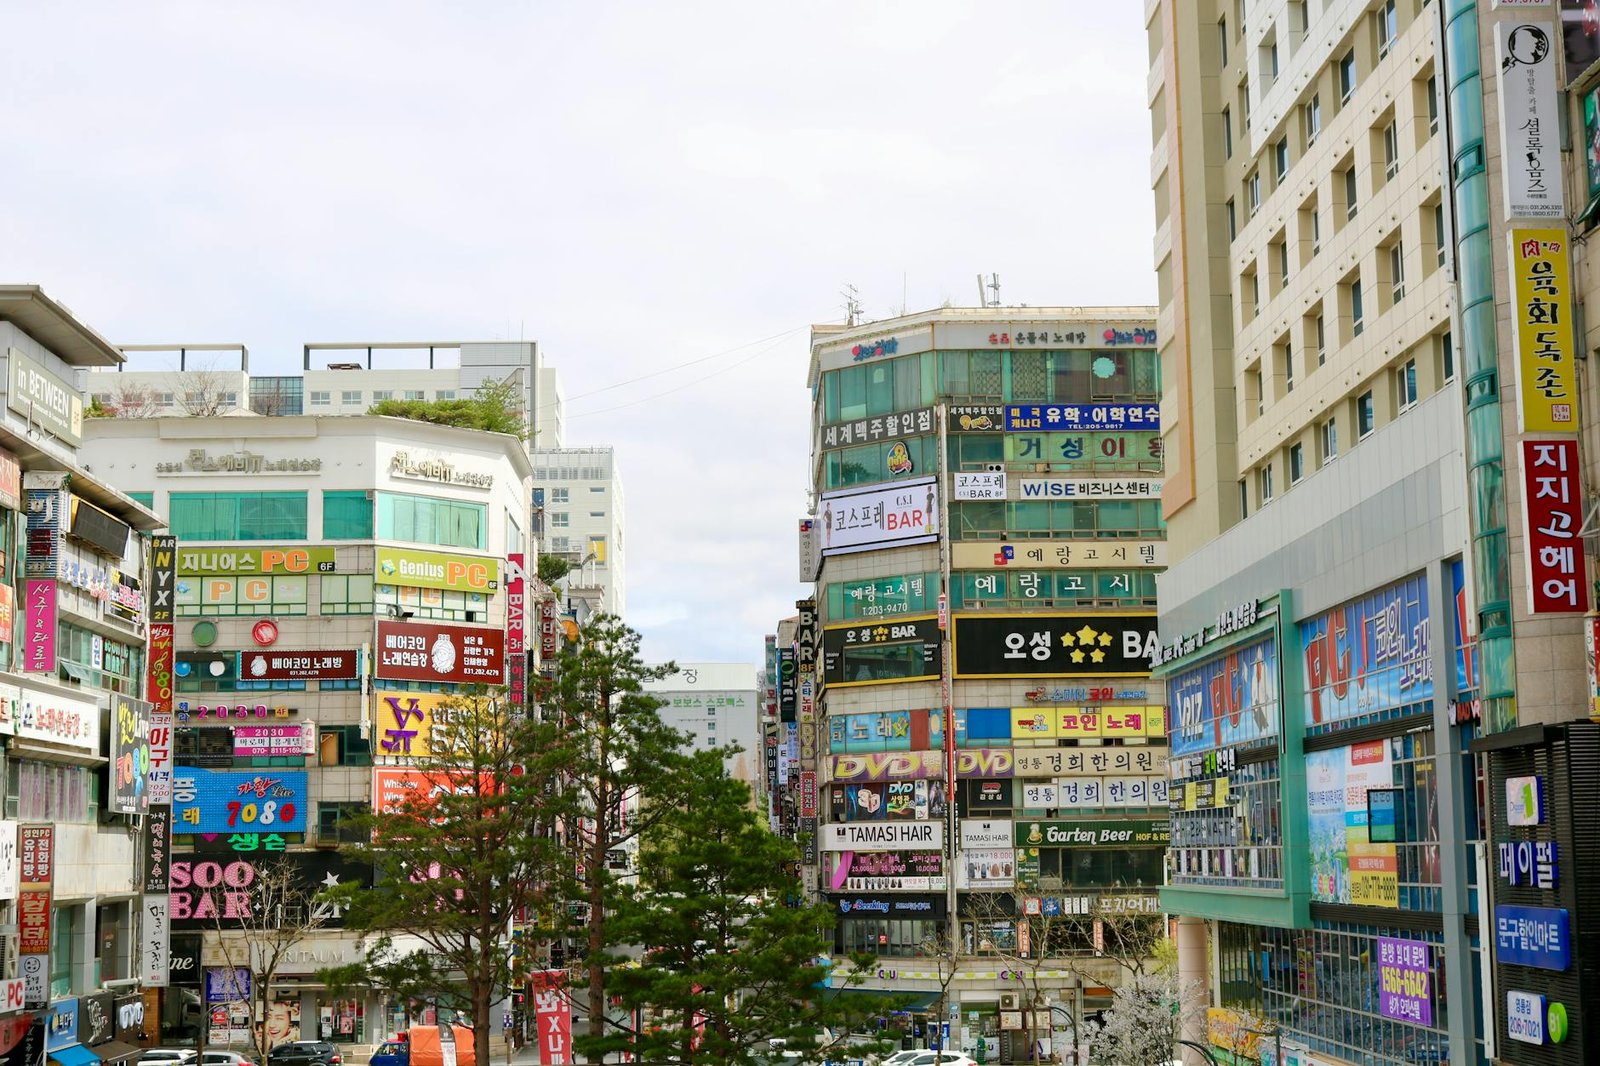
(553, 1012)
(1552, 511)
(37, 845)
(427, 651)
(808, 794)
(549, 631)
(296, 665)
(516, 583)
(158, 668)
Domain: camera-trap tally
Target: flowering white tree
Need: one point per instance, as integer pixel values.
(1145, 1020)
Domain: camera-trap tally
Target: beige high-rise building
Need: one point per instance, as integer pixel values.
(1316, 649)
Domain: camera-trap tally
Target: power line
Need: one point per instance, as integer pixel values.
(688, 384)
(682, 366)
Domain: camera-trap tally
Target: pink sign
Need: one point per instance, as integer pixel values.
(516, 630)
(262, 741)
(39, 634)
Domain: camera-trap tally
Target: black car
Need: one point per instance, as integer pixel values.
(305, 1053)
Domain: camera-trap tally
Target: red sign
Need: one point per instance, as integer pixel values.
(426, 651)
(1552, 513)
(553, 1012)
(402, 789)
(158, 670)
(39, 635)
(7, 613)
(264, 633)
(37, 845)
(808, 793)
(296, 665)
(516, 583)
(549, 630)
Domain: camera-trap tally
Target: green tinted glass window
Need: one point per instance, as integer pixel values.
(238, 515)
(346, 516)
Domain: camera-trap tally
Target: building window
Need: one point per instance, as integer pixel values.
(1391, 151)
(1433, 104)
(1288, 366)
(445, 394)
(1297, 463)
(560, 519)
(1233, 222)
(1366, 416)
(560, 495)
(1313, 120)
(1356, 309)
(1447, 356)
(1272, 61)
(321, 398)
(1316, 231)
(1405, 385)
(1283, 261)
(560, 544)
(336, 821)
(1222, 39)
(237, 515)
(1319, 329)
(1347, 76)
(350, 397)
(425, 520)
(342, 594)
(1280, 159)
(1397, 271)
(1350, 192)
(380, 395)
(415, 394)
(1438, 232)
(1244, 498)
(1387, 26)
(1255, 295)
(1253, 184)
(597, 514)
(1264, 484)
(1257, 385)
(347, 515)
(1227, 134)
(147, 499)
(1330, 440)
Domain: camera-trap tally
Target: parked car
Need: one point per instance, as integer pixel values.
(305, 1053)
(167, 1056)
(938, 1058)
(226, 1058)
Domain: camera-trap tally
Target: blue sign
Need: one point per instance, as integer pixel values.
(1082, 416)
(1230, 700)
(238, 801)
(1368, 656)
(61, 1030)
(1532, 936)
(888, 346)
(228, 985)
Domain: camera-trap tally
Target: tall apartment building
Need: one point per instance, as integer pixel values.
(981, 751)
(1318, 638)
(715, 705)
(74, 593)
(578, 493)
(333, 580)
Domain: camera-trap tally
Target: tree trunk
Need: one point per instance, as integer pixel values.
(482, 1023)
(597, 975)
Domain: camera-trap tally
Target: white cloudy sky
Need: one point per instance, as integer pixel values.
(635, 185)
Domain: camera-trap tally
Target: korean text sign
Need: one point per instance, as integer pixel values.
(1541, 319)
(1099, 645)
(1552, 510)
(880, 516)
(1405, 980)
(412, 651)
(235, 801)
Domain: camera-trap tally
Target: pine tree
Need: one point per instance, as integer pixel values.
(731, 957)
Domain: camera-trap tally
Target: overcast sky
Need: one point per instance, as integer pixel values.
(634, 185)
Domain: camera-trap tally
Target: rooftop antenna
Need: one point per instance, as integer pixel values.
(852, 304)
(983, 300)
(994, 286)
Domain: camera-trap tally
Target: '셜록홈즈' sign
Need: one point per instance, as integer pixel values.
(1530, 122)
(880, 516)
(426, 651)
(314, 665)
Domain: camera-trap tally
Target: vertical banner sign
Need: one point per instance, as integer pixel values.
(163, 581)
(516, 579)
(39, 627)
(787, 688)
(155, 927)
(37, 845)
(1541, 318)
(553, 1014)
(1552, 514)
(1530, 131)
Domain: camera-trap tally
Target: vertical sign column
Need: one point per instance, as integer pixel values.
(517, 632)
(33, 911)
(155, 946)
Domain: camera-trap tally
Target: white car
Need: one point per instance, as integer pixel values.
(938, 1058)
(167, 1056)
(225, 1058)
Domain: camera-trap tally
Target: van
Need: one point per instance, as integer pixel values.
(424, 1045)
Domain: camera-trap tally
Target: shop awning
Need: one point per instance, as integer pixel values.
(76, 1055)
(117, 1051)
(889, 998)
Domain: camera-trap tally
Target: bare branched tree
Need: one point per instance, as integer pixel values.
(133, 401)
(257, 927)
(204, 392)
(943, 949)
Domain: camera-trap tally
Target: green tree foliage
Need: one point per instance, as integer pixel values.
(496, 406)
(553, 568)
(623, 766)
(730, 956)
(472, 847)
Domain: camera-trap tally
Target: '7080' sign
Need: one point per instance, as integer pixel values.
(235, 801)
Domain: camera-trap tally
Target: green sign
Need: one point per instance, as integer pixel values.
(437, 570)
(43, 398)
(274, 560)
(884, 597)
(1123, 833)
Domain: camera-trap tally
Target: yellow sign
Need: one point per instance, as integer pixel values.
(1086, 723)
(404, 722)
(1057, 554)
(1231, 1030)
(1541, 282)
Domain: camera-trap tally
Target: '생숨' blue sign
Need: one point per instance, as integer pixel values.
(1532, 936)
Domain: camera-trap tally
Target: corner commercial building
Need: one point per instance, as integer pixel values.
(981, 765)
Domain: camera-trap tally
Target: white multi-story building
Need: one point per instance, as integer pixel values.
(715, 704)
(583, 519)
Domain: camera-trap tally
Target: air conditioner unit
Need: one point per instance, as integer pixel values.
(1008, 1001)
